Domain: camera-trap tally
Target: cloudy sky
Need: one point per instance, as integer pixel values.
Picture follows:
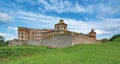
(80, 15)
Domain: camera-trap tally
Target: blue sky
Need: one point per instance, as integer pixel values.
(80, 15)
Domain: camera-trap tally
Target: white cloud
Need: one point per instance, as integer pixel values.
(44, 2)
(12, 28)
(101, 32)
(78, 31)
(5, 17)
(106, 26)
(61, 6)
(30, 16)
(100, 10)
(8, 36)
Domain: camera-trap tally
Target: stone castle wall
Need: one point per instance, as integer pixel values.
(25, 42)
(82, 39)
(60, 41)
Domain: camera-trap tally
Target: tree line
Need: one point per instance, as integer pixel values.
(114, 37)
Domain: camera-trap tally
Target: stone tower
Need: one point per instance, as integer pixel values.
(61, 26)
(92, 34)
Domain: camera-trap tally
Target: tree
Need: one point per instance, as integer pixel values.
(6, 43)
(114, 37)
(2, 41)
(2, 38)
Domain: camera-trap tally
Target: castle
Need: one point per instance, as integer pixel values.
(37, 34)
(60, 36)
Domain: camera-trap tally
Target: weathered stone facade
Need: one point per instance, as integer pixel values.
(59, 37)
(32, 34)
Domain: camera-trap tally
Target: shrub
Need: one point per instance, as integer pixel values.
(105, 40)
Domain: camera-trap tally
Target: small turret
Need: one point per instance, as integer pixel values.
(61, 25)
(92, 33)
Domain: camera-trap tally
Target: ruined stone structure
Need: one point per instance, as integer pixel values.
(32, 34)
(37, 34)
(58, 37)
(61, 26)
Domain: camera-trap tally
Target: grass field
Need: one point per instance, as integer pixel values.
(107, 53)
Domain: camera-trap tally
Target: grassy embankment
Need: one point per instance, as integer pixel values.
(107, 53)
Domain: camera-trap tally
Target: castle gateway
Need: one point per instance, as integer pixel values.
(59, 37)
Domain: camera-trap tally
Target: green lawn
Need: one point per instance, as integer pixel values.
(108, 53)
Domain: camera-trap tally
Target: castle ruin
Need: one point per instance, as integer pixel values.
(60, 36)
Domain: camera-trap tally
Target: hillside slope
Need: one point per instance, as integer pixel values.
(108, 53)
